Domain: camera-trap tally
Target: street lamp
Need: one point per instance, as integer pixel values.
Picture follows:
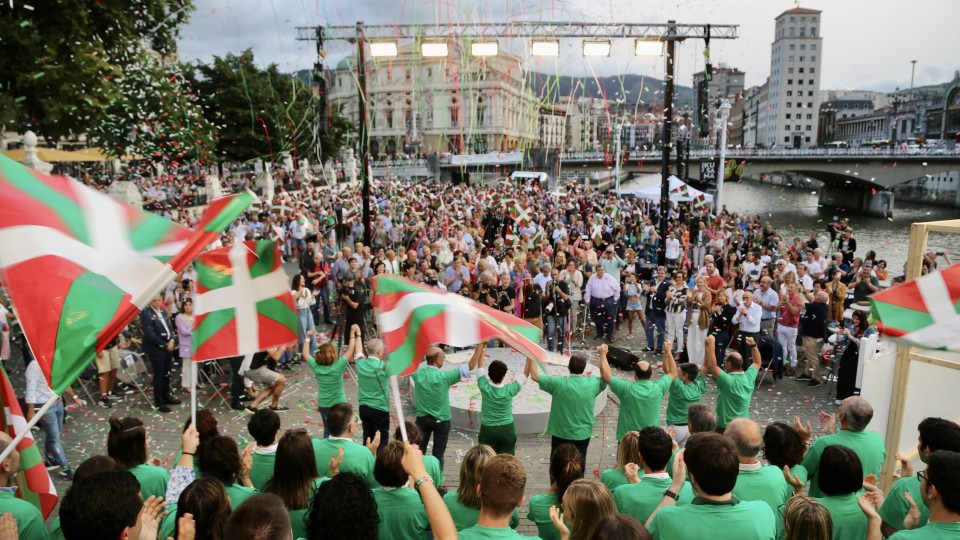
(723, 115)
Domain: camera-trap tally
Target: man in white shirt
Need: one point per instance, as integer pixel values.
(543, 277)
(602, 294)
(748, 317)
(813, 267)
(673, 250)
(768, 299)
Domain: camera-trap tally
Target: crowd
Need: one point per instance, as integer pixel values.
(734, 299)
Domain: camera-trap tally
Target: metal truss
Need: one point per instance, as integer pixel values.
(532, 29)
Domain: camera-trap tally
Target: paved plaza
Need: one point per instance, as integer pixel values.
(85, 430)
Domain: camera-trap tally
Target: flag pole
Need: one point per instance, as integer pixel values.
(395, 390)
(193, 394)
(32, 422)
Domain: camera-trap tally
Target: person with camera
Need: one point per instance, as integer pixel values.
(556, 308)
(531, 302)
(352, 304)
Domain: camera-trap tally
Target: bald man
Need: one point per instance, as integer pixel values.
(756, 481)
(30, 524)
(854, 416)
(431, 394)
(642, 399)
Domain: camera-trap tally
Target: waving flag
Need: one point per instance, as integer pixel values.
(923, 312)
(33, 480)
(521, 214)
(80, 265)
(412, 317)
(243, 302)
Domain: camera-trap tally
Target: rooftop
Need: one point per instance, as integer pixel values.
(800, 11)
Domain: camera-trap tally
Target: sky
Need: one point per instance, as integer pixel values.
(867, 44)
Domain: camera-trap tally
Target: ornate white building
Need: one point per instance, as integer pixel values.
(457, 104)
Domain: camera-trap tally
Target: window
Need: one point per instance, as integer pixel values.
(813, 47)
(788, 116)
(807, 127)
(429, 73)
(789, 104)
(790, 70)
(813, 70)
(792, 31)
(786, 139)
(454, 115)
(407, 75)
(810, 93)
(801, 70)
(789, 81)
(809, 104)
(803, 46)
(786, 128)
(801, 58)
(792, 46)
(810, 81)
(813, 58)
(809, 116)
(813, 31)
(789, 93)
(803, 31)
(790, 58)
(807, 139)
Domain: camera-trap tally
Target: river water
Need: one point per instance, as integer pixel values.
(795, 212)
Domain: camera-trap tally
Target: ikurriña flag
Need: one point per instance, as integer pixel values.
(79, 265)
(243, 302)
(33, 480)
(923, 312)
(412, 317)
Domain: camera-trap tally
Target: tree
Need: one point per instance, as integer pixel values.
(62, 57)
(261, 113)
(156, 116)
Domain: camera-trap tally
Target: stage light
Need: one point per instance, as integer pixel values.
(383, 48)
(596, 48)
(433, 50)
(649, 48)
(489, 48)
(545, 48)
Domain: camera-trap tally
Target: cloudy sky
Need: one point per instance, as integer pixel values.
(867, 44)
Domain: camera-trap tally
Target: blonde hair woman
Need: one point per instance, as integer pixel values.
(464, 503)
(700, 301)
(585, 504)
(627, 452)
(804, 518)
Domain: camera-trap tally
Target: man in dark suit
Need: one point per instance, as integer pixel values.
(656, 310)
(158, 344)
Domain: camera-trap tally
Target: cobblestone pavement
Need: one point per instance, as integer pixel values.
(85, 431)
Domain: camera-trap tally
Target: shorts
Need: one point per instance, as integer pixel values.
(109, 360)
(298, 243)
(262, 375)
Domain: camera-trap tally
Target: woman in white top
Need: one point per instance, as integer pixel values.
(303, 297)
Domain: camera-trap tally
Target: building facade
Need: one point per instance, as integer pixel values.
(418, 104)
(726, 83)
(552, 126)
(834, 111)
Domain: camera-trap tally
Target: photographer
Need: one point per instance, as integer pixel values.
(352, 304)
(487, 292)
(556, 309)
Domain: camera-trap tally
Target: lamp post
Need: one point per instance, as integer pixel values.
(723, 115)
(618, 132)
(364, 136)
(670, 38)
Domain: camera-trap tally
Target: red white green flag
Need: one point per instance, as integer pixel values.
(596, 232)
(243, 302)
(923, 312)
(33, 479)
(412, 317)
(521, 214)
(80, 265)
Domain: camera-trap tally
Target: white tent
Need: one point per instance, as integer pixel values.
(648, 187)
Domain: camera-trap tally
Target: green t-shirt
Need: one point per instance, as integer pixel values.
(54, 532)
(849, 521)
(895, 507)
(866, 444)
(735, 391)
(329, 382)
(639, 500)
(765, 484)
(357, 458)
(640, 403)
(374, 388)
(613, 478)
(940, 530)
(153, 480)
(571, 411)
(168, 525)
(682, 395)
(434, 470)
(478, 532)
(30, 524)
(239, 493)
(465, 517)
(262, 470)
(496, 406)
(431, 391)
(743, 520)
(539, 514)
(402, 515)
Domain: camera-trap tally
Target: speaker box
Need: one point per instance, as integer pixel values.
(621, 358)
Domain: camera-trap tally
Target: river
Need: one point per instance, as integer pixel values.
(795, 212)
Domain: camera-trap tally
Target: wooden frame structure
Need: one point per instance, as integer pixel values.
(906, 356)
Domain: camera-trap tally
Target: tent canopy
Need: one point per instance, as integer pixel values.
(648, 187)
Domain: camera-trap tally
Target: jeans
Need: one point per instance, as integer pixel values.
(722, 340)
(375, 420)
(441, 433)
(556, 331)
(323, 416)
(656, 321)
(581, 446)
(52, 423)
(162, 364)
(306, 324)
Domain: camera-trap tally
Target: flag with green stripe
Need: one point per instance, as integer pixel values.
(33, 480)
(412, 317)
(923, 312)
(243, 302)
(80, 265)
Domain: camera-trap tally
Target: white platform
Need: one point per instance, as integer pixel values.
(531, 407)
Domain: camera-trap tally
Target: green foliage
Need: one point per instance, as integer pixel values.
(61, 58)
(260, 113)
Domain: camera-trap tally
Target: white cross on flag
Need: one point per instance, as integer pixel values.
(243, 303)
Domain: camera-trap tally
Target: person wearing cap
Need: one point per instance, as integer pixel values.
(612, 263)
